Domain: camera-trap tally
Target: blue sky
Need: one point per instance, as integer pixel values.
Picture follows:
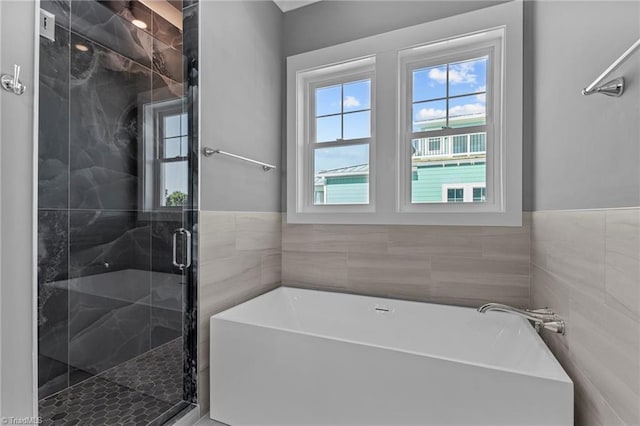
(344, 156)
(469, 77)
(347, 99)
(352, 103)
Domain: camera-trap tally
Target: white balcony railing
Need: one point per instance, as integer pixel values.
(450, 146)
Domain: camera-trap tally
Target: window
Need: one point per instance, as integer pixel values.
(338, 133)
(450, 95)
(479, 195)
(463, 192)
(410, 126)
(455, 195)
(172, 159)
(343, 111)
(166, 145)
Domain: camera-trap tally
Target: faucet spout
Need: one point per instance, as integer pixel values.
(541, 318)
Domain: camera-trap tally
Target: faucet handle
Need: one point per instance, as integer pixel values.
(544, 310)
(555, 326)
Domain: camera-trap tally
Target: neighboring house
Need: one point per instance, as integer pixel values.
(444, 169)
(346, 185)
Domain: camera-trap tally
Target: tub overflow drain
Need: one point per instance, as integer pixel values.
(382, 309)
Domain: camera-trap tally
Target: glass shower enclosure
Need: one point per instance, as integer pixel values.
(117, 204)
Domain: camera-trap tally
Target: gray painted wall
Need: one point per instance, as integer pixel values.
(327, 23)
(577, 152)
(0, 225)
(16, 179)
(585, 148)
(241, 71)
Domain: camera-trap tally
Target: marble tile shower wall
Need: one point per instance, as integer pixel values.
(455, 265)
(93, 80)
(586, 266)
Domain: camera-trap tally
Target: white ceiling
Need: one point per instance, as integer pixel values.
(287, 5)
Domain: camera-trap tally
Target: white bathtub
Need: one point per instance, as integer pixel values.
(303, 357)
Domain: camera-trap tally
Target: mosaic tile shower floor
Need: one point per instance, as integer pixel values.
(133, 393)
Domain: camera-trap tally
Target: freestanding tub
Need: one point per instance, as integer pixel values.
(304, 357)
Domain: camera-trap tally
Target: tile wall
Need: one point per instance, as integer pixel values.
(586, 265)
(244, 254)
(583, 264)
(458, 265)
(240, 258)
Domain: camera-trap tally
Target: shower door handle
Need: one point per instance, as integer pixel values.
(188, 242)
(182, 266)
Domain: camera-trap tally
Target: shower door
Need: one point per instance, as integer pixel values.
(116, 210)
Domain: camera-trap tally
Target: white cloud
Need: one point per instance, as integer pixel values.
(350, 102)
(467, 109)
(438, 74)
(430, 114)
(458, 74)
(426, 114)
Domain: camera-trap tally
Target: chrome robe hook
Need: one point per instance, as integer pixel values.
(12, 83)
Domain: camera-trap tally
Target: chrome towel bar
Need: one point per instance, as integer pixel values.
(208, 152)
(613, 87)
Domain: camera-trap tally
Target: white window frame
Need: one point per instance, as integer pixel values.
(389, 185)
(309, 81)
(471, 46)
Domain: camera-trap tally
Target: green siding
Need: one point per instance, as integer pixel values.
(348, 190)
(426, 182)
(347, 179)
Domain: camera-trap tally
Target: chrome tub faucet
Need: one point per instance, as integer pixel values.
(541, 318)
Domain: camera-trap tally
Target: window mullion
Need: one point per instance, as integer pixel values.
(447, 104)
(173, 159)
(342, 111)
(364, 141)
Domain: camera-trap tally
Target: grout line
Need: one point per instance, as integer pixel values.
(595, 209)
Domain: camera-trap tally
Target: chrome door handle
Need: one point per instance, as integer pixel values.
(175, 250)
(188, 260)
(181, 266)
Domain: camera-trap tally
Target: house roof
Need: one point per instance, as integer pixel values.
(359, 168)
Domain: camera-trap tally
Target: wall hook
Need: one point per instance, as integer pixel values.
(12, 83)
